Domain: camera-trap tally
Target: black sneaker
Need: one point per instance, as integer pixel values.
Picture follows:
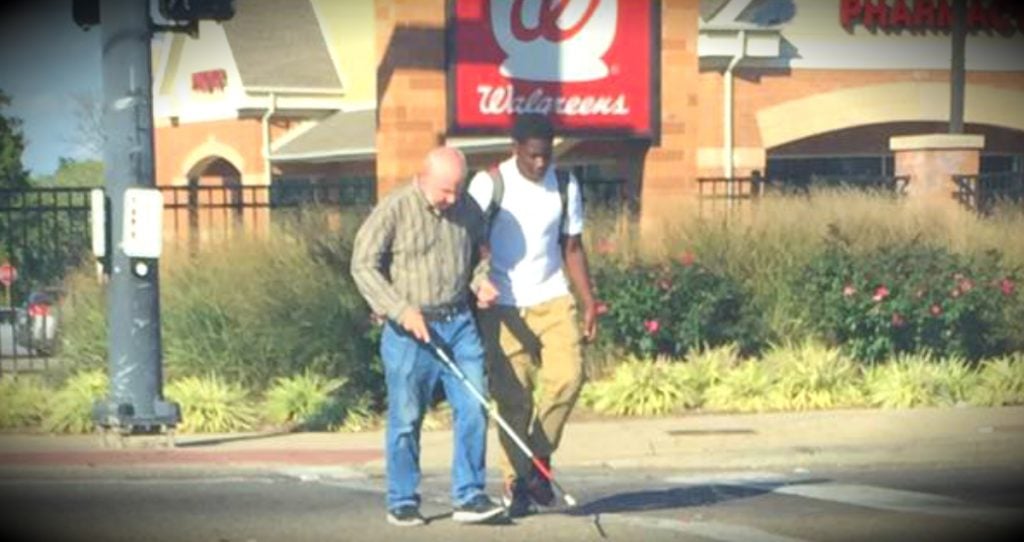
(539, 486)
(406, 516)
(516, 498)
(477, 510)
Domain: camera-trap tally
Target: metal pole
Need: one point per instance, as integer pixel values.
(135, 403)
(957, 76)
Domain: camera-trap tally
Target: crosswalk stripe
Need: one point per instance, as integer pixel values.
(898, 501)
(724, 532)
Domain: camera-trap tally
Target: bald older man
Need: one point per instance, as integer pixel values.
(416, 260)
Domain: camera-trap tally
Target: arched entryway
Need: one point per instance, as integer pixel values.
(215, 199)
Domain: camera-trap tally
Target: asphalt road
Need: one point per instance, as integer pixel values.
(235, 505)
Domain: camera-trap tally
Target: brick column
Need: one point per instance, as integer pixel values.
(931, 161)
(670, 168)
(410, 86)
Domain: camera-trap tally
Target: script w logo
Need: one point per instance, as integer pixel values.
(554, 40)
(547, 21)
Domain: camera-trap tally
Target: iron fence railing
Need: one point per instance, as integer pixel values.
(982, 193)
(45, 232)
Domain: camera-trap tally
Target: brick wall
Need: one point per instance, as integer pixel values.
(411, 102)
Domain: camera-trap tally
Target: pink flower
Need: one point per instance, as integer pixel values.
(601, 308)
(687, 258)
(897, 320)
(955, 292)
(880, 293)
(965, 285)
(652, 326)
(1007, 286)
(849, 290)
(935, 310)
(604, 246)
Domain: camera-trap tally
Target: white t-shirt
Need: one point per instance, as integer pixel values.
(526, 258)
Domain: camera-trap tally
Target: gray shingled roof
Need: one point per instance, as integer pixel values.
(344, 131)
(278, 43)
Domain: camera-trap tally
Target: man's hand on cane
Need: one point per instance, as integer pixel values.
(412, 321)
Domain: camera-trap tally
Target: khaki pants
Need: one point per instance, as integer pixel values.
(527, 347)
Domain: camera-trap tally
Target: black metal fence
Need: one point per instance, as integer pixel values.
(757, 186)
(984, 192)
(45, 232)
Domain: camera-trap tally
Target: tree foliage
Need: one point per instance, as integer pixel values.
(12, 145)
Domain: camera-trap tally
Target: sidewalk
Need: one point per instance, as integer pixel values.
(699, 442)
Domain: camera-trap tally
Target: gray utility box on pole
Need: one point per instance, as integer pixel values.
(135, 403)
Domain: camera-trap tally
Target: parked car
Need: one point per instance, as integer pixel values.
(36, 322)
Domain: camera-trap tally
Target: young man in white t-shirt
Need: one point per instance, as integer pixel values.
(532, 336)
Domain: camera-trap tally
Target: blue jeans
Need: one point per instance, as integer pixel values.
(412, 370)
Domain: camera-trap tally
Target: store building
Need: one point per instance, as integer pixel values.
(358, 91)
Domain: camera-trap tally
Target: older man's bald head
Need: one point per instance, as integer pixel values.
(441, 176)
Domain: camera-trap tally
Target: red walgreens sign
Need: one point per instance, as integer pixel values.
(589, 64)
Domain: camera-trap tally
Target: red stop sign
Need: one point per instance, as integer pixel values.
(8, 274)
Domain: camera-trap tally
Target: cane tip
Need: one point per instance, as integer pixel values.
(570, 500)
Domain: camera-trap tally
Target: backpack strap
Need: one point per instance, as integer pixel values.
(563, 193)
(497, 192)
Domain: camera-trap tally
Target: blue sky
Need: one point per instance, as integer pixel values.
(45, 59)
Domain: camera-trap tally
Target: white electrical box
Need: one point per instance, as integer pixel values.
(142, 233)
(98, 221)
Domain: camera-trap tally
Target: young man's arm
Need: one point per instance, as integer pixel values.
(575, 257)
(579, 275)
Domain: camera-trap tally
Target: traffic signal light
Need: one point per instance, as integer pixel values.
(196, 10)
(86, 13)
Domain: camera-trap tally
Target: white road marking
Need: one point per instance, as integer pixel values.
(881, 498)
(724, 532)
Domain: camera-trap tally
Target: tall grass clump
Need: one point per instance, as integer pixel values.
(307, 400)
(70, 409)
(918, 380)
(811, 376)
(999, 382)
(746, 388)
(24, 401)
(210, 404)
(641, 387)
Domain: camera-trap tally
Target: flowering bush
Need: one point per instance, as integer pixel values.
(649, 310)
(908, 298)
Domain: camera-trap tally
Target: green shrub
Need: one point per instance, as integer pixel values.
(23, 402)
(301, 400)
(672, 308)
(71, 407)
(811, 376)
(1000, 382)
(251, 309)
(641, 387)
(910, 297)
(212, 405)
(744, 389)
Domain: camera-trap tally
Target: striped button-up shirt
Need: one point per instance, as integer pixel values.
(409, 254)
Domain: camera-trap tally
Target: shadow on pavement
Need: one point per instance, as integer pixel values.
(198, 443)
(678, 497)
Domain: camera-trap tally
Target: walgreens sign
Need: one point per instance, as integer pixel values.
(589, 64)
